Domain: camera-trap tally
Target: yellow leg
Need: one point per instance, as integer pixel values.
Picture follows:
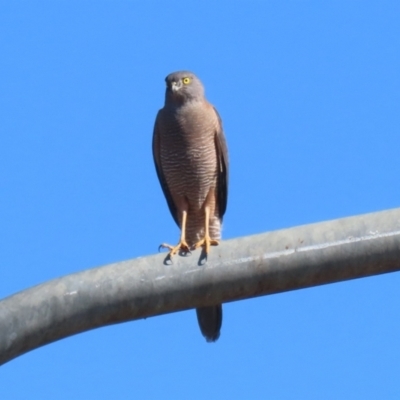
(206, 242)
(182, 245)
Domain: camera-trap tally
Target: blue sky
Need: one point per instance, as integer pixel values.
(309, 93)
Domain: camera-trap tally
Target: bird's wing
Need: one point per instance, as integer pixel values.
(160, 173)
(223, 167)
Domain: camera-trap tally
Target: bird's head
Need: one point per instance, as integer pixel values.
(183, 86)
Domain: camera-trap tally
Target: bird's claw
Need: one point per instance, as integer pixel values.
(206, 242)
(181, 246)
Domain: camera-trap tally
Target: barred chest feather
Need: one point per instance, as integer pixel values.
(187, 150)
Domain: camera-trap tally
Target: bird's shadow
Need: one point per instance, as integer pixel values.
(182, 253)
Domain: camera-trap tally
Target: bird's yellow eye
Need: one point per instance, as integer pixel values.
(186, 80)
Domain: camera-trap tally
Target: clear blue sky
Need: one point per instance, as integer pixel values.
(309, 93)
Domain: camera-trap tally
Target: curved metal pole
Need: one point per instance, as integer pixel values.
(241, 268)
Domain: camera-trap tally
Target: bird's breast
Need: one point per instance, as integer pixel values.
(188, 153)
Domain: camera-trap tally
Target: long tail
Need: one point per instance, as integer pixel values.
(210, 321)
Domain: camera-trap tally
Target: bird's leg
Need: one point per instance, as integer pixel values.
(206, 242)
(182, 245)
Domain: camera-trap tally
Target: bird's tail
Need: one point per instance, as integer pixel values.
(210, 321)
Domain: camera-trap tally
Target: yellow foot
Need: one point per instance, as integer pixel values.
(182, 245)
(206, 242)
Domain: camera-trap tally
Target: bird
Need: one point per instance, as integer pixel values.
(191, 159)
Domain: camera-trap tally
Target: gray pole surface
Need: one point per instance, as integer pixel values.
(241, 268)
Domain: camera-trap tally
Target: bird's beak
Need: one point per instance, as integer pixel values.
(176, 86)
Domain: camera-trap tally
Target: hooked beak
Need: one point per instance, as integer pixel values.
(175, 86)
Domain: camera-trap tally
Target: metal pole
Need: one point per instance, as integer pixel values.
(241, 268)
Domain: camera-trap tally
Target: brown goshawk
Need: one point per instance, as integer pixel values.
(191, 159)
